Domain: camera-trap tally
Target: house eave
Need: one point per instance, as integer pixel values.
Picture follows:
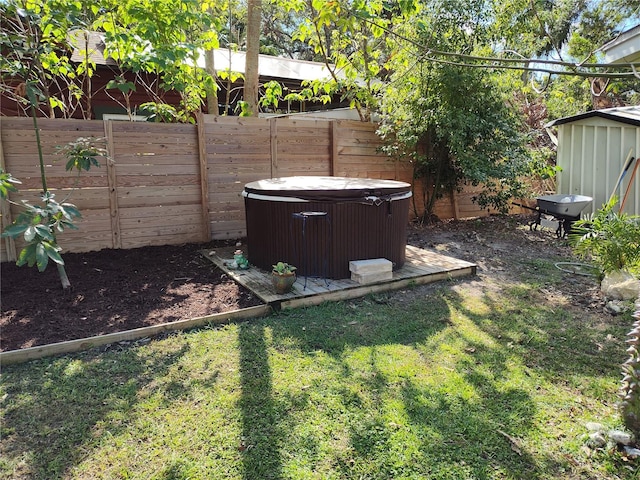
(625, 48)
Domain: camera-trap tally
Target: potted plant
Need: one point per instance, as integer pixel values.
(283, 277)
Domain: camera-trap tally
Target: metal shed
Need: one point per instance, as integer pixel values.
(593, 148)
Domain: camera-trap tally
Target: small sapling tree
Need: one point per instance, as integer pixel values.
(39, 224)
(33, 44)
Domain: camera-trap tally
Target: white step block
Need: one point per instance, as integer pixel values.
(365, 278)
(374, 265)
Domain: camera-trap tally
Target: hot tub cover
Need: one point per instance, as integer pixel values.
(314, 188)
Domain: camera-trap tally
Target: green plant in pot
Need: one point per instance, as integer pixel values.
(283, 276)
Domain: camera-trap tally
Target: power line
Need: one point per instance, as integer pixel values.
(522, 64)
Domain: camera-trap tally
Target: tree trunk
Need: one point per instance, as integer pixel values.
(213, 105)
(254, 17)
(212, 93)
(62, 273)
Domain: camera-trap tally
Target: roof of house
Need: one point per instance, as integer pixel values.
(269, 66)
(224, 60)
(625, 48)
(89, 43)
(628, 115)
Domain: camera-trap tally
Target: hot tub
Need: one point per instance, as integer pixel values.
(320, 224)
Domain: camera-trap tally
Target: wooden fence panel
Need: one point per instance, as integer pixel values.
(155, 164)
(238, 151)
(21, 154)
(303, 148)
(173, 183)
(358, 155)
(88, 191)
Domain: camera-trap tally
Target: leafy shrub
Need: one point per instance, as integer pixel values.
(611, 240)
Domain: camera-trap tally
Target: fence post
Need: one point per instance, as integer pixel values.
(273, 142)
(334, 147)
(114, 211)
(5, 210)
(204, 176)
(454, 202)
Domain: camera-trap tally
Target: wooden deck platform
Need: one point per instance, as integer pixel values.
(421, 266)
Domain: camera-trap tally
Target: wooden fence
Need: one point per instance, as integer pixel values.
(171, 183)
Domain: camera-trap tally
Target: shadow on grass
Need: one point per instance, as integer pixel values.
(444, 434)
(552, 338)
(381, 387)
(261, 431)
(96, 390)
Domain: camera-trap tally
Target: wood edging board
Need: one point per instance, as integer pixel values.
(71, 346)
(384, 286)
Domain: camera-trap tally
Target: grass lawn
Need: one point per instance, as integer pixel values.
(452, 381)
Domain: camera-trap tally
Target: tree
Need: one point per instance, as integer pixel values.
(37, 41)
(251, 74)
(573, 31)
(452, 122)
(280, 20)
(39, 224)
(163, 38)
(34, 49)
(352, 39)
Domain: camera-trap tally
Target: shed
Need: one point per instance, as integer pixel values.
(592, 150)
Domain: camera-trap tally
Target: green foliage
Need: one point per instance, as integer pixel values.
(7, 184)
(453, 123)
(39, 224)
(314, 91)
(150, 36)
(272, 94)
(567, 96)
(243, 109)
(162, 112)
(610, 239)
(37, 45)
(82, 153)
(164, 38)
(119, 83)
(283, 268)
(351, 38)
(363, 45)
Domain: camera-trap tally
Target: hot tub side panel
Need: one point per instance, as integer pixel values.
(275, 235)
(350, 231)
(362, 232)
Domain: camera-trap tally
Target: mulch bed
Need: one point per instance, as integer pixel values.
(118, 290)
(113, 291)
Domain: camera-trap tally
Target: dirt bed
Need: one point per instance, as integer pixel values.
(113, 291)
(117, 290)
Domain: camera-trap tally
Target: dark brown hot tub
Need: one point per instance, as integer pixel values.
(320, 224)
